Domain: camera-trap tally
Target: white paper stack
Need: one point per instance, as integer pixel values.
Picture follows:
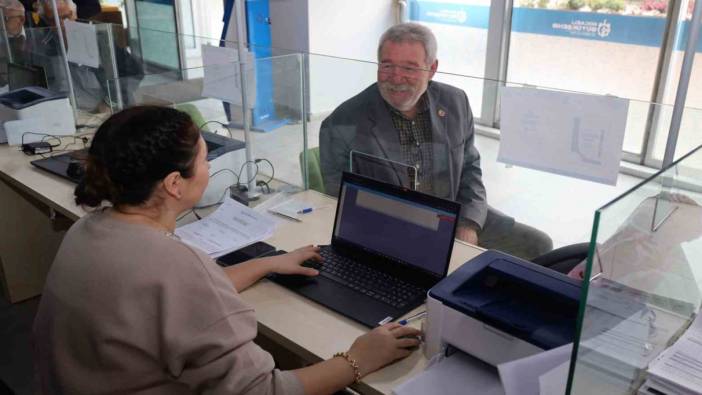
(678, 369)
(231, 227)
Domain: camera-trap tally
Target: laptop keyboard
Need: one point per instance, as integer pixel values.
(376, 284)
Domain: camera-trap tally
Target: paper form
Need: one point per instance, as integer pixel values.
(221, 80)
(231, 227)
(564, 133)
(681, 364)
(81, 40)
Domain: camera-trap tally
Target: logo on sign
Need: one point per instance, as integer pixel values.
(449, 16)
(604, 28)
(585, 28)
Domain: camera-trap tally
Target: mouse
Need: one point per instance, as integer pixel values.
(75, 170)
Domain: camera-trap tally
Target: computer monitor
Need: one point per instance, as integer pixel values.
(24, 75)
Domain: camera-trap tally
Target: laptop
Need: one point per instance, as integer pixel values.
(70, 165)
(389, 246)
(24, 75)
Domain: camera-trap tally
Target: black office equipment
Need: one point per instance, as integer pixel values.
(218, 145)
(70, 165)
(255, 250)
(389, 246)
(24, 75)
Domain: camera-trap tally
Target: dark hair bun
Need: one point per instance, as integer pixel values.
(132, 151)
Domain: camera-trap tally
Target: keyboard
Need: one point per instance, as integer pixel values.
(374, 283)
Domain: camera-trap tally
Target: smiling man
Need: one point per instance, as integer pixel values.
(409, 130)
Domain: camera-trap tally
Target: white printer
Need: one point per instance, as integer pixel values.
(34, 110)
(499, 308)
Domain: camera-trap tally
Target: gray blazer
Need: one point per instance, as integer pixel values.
(363, 124)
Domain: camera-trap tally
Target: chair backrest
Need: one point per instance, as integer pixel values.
(565, 258)
(194, 113)
(314, 171)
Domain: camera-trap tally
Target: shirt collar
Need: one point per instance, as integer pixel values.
(422, 106)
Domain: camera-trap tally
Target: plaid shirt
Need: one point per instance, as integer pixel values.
(416, 143)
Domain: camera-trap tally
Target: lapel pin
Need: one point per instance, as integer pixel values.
(442, 113)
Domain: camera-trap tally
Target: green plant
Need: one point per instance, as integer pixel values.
(596, 4)
(543, 3)
(615, 5)
(576, 4)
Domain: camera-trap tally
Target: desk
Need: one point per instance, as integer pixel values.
(36, 209)
(312, 332)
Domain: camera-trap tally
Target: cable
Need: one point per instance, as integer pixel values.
(226, 127)
(184, 215)
(213, 175)
(44, 136)
(241, 170)
(219, 201)
(269, 164)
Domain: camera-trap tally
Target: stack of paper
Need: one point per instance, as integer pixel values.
(678, 370)
(230, 228)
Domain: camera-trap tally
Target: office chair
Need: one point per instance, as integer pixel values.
(563, 259)
(314, 171)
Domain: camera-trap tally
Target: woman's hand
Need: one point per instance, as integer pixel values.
(290, 263)
(383, 345)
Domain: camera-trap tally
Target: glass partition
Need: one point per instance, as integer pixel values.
(212, 96)
(645, 279)
(549, 199)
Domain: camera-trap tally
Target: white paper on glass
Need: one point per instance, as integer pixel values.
(81, 39)
(231, 227)
(571, 134)
(221, 80)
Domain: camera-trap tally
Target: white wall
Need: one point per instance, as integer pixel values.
(289, 22)
(345, 29)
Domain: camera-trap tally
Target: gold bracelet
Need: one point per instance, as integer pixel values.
(354, 365)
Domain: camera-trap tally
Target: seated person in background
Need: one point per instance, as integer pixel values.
(406, 117)
(30, 12)
(87, 8)
(127, 307)
(89, 84)
(14, 25)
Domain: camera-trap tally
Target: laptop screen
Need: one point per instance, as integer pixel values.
(22, 76)
(400, 228)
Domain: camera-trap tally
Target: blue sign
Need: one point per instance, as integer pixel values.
(614, 28)
(637, 30)
(450, 13)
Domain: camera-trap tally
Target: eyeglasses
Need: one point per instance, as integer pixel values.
(408, 71)
(9, 17)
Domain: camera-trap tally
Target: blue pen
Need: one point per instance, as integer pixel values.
(412, 318)
(305, 210)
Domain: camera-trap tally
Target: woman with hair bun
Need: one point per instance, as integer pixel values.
(129, 308)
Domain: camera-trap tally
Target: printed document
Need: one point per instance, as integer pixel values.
(231, 227)
(222, 69)
(81, 40)
(681, 365)
(576, 135)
